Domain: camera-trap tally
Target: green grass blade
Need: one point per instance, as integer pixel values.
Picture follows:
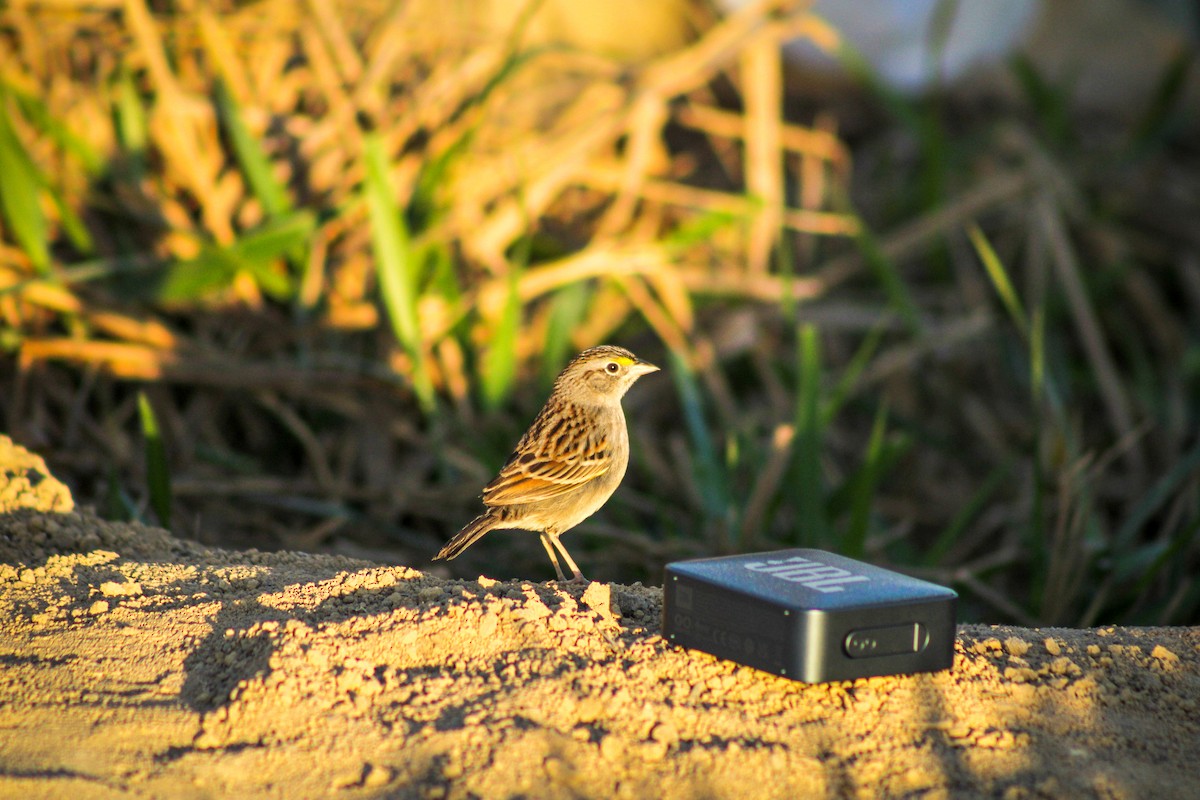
(999, 278)
(228, 461)
(443, 275)
(390, 242)
(709, 475)
(72, 225)
(132, 128)
(38, 114)
(1038, 385)
(500, 357)
(850, 375)
(859, 68)
(1042, 432)
(1159, 493)
(194, 279)
(117, 505)
(1168, 556)
(1051, 102)
(890, 279)
(854, 541)
(20, 190)
(250, 156)
(1167, 110)
(428, 203)
(273, 195)
(396, 265)
(700, 229)
(257, 253)
(787, 274)
(260, 251)
(966, 515)
(567, 310)
(275, 238)
(158, 476)
(812, 525)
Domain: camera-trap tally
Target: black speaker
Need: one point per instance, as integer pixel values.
(809, 615)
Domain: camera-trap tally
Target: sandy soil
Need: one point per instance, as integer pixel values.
(133, 663)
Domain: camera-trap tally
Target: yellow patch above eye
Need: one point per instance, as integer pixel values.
(624, 361)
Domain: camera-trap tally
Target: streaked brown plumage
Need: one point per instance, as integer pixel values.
(569, 462)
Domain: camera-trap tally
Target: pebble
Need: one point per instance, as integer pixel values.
(376, 776)
(206, 740)
(656, 751)
(1164, 655)
(345, 780)
(1016, 647)
(431, 593)
(610, 748)
(114, 589)
(665, 732)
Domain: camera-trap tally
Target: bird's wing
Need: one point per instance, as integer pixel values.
(555, 456)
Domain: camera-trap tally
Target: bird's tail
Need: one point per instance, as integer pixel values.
(468, 535)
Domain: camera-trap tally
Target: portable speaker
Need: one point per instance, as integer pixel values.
(809, 615)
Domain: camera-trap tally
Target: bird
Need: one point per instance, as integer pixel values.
(570, 460)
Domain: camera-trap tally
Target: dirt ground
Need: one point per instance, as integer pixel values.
(133, 663)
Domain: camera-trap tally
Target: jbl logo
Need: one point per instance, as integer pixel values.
(812, 574)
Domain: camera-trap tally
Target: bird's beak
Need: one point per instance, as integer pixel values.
(639, 368)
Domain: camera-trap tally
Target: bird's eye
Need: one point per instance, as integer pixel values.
(612, 367)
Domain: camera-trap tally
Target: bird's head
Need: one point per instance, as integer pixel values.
(601, 373)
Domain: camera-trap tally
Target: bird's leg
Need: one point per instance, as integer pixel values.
(577, 576)
(553, 557)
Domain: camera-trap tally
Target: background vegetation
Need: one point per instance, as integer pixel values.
(291, 274)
